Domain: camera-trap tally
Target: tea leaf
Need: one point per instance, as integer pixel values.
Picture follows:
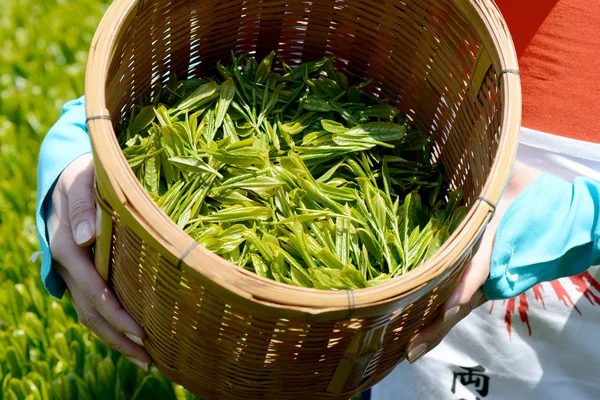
(143, 120)
(246, 157)
(201, 96)
(226, 97)
(335, 279)
(329, 259)
(307, 70)
(333, 126)
(371, 134)
(342, 247)
(256, 184)
(238, 214)
(264, 68)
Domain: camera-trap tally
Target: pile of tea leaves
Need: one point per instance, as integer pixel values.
(294, 174)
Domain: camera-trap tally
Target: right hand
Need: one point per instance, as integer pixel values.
(468, 294)
(71, 230)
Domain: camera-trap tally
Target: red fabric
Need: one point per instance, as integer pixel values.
(558, 45)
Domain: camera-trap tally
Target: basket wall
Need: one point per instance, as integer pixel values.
(212, 327)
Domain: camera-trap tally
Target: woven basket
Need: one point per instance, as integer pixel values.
(225, 333)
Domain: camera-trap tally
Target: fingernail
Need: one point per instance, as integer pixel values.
(417, 352)
(139, 363)
(84, 232)
(451, 313)
(134, 339)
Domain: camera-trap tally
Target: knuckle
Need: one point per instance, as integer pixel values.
(466, 309)
(90, 295)
(78, 208)
(118, 346)
(439, 331)
(88, 319)
(114, 315)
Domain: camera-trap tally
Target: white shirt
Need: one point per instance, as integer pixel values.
(543, 344)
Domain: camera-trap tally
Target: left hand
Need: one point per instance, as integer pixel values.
(71, 229)
(468, 294)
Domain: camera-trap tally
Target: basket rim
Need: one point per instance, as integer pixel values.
(108, 157)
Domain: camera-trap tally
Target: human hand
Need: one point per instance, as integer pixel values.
(71, 230)
(468, 294)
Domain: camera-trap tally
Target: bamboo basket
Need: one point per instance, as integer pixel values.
(225, 333)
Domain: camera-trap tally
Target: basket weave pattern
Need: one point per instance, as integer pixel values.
(225, 333)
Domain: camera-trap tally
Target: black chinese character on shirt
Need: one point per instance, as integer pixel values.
(473, 376)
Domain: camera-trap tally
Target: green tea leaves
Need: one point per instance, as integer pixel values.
(371, 134)
(299, 178)
(193, 165)
(226, 97)
(200, 97)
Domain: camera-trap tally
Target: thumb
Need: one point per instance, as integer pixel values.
(79, 190)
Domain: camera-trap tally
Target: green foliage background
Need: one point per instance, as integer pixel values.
(44, 352)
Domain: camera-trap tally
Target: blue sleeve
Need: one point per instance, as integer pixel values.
(550, 231)
(66, 141)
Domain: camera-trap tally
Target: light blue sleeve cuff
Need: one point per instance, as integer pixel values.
(550, 231)
(66, 141)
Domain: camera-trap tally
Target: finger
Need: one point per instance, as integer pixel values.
(97, 324)
(78, 186)
(97, 293)
(78, 263)
(472, 280)
(466, 297)
(433, 333)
